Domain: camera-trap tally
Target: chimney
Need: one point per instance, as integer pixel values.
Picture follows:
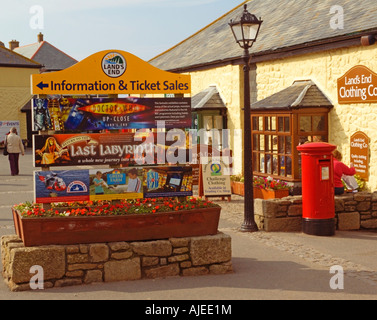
(40, 37)
(13, 44)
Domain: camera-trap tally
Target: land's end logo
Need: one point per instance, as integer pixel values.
(114, 64)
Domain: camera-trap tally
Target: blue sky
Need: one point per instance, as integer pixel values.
(80, 28)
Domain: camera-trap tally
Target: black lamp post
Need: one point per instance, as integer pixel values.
(245, 30)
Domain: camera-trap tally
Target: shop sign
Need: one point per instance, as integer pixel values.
(360, 154)
(358, 85)
(216, 178)
(111, 72)
(112, 184)
(68, 114)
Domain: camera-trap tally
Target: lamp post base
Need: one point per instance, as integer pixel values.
(249, 227)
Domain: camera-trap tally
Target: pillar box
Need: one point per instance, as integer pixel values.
(318, 204)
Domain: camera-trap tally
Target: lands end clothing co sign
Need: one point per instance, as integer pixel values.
(111, 72)
(358, 85)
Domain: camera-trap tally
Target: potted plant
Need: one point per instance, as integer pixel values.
(128, 220)
(237, 184)
(271, 188)
(264, 188)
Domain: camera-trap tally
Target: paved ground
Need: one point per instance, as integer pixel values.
(266, 265)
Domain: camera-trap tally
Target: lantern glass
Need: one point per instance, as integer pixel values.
(245, 28)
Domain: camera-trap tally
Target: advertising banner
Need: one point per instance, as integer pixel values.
(112, 184)
(167, 182)
(126, 149)
(97, 114)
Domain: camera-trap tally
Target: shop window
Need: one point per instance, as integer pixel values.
(272, 145)
(275, 138)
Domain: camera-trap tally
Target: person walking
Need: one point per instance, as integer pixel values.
(340, 169)
(15, 147)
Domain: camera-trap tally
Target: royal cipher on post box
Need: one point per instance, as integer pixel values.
(318, 206)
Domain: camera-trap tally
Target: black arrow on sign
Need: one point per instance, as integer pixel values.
(42, 85)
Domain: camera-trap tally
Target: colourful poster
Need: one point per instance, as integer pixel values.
(126, 149)
(167, 182)
(112, 184)
(61, 186)
(116, 184)
(97, 114)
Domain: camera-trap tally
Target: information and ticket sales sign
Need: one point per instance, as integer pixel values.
(358, 85)
(111, 72)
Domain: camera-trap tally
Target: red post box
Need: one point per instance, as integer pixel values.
(318, 205)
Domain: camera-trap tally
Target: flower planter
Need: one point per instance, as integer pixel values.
(274, 194)
(133, 227)
(238, 188)
(259, 193)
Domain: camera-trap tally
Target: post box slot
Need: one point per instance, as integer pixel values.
(325, 173)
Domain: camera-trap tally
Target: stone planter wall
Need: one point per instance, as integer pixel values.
(353, 211)
(66, 265)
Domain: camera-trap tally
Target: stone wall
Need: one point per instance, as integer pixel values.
(353, 211)
(67, 265)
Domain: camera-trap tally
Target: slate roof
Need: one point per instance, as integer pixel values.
(286, 24)
(301, 94)
(207, 99)
(46, 54)
(8, 58)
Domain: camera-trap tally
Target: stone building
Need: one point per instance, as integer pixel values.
(303, 49)
(43, 52)
(49, 58)
(15, 72)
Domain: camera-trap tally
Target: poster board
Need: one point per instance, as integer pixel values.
(112, 184)
(115, 149)
(109, 72)
(67, 114)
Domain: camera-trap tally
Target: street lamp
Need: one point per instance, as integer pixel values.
(245, 30)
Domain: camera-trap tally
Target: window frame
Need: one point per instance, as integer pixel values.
(286, 135)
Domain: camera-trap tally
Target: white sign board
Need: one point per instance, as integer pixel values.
(216, 179)
(5, 126)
